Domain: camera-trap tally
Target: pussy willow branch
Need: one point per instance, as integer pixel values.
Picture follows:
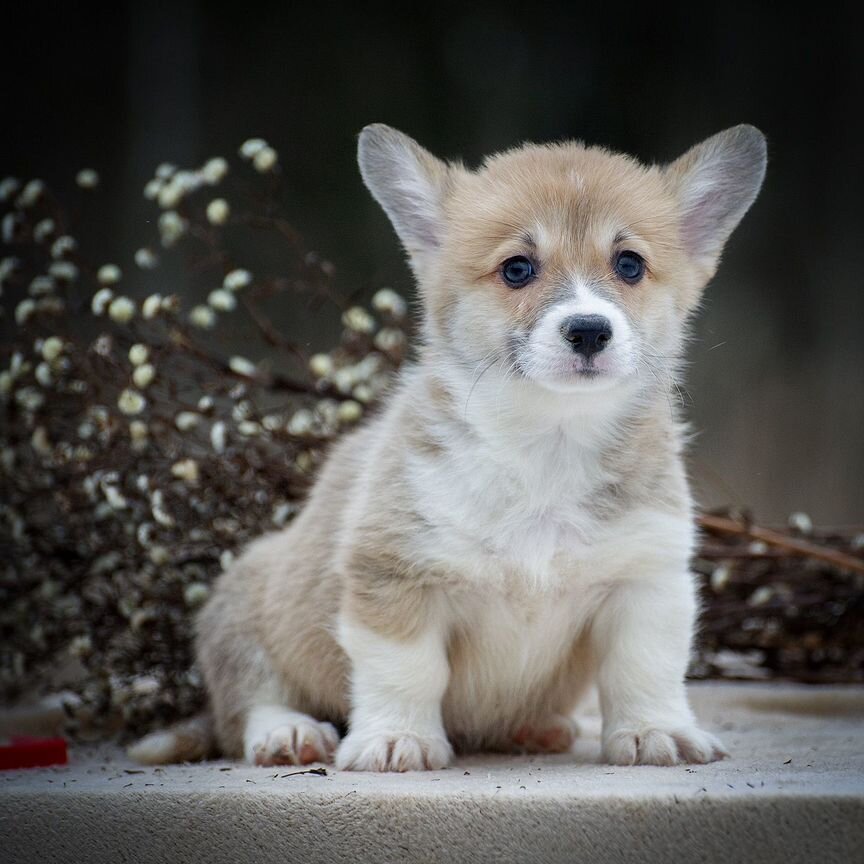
(791, 545)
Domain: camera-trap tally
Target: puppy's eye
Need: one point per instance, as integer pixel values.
(517, 271)
(630, 266)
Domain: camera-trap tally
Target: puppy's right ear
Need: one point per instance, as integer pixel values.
(409, 183)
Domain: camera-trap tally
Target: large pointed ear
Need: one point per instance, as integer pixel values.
(408, 182)
(715, 183)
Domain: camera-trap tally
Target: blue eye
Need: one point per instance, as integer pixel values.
(517, 271)
(630, 266)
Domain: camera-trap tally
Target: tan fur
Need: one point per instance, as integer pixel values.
(360, 551)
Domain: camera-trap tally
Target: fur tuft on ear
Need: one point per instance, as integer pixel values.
(409, 184)
(715, 183)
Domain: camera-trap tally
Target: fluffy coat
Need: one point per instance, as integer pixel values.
(516, 523)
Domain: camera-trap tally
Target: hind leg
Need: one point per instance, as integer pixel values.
(276, 735)
(258, 714)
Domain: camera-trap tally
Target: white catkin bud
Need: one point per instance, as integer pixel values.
(237, 279)
(170, 304)
(363, 393)
(242, 366)
(350, 411)
(202, 317)
(188, 181)
(40, 441)
(158, 554)
(143, 375)
(281, 512)
(41, 286)
(100, 300)
(121, 310)
(195, 593)
(389, 302)
(30, 194)
(251, 146)
(720, 577)
(300, 423)
(24, 310)
(138, 354)
(801, 523)
(389, 339)
(218, 211)
(9, 228)
(43, 374)
(151, 306)
(249, 428)
(43, 229)
(131, 402)
(358, 319)
(109, 274)
(138, 431)
(8, 266)
(760, 596)
(52, 348)
(265, 160)
(66, 271)
(8, 187)
(152, 189)
(205, 404)
(242, 410)
(146, 259)
(87, 178)
(165, 171)
(187, 420)
(214, 171)
(63, 245)
(114, 497)
(144, 532)
(222, 300)
(321, 365)
(170, 195)
(217, 436)
(29, 398)
(186, 470)
(344, 379)
(171, 228)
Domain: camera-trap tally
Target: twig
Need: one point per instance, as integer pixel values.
(792, 545)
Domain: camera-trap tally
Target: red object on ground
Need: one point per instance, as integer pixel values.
(28, 752)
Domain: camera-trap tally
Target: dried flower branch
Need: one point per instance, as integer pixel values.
(135, 458)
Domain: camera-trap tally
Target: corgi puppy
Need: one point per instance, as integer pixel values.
(515, 525)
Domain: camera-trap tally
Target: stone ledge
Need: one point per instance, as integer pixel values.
(793, 791)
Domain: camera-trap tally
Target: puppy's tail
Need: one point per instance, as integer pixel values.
(188, 741)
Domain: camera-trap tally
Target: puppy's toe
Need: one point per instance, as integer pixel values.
(298, 743)
(655, 746)
(399, 751)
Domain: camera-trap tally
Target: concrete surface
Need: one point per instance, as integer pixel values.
(793, 791)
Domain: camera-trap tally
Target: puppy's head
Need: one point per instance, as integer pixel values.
(566, 266)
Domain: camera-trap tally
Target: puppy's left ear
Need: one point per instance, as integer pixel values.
(410, 185)
(715, 183)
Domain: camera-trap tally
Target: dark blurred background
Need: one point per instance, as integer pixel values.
(776, 388)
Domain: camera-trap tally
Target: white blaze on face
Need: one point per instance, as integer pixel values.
(549, 358)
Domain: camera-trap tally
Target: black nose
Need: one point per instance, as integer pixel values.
(587, 334)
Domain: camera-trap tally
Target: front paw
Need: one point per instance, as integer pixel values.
(651, 745)
(396, 751)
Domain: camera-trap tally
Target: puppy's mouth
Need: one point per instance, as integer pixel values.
(568, 377)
